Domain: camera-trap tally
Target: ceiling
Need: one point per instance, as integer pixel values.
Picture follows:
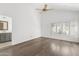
(56, 6)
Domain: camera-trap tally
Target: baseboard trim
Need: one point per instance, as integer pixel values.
(61, 39)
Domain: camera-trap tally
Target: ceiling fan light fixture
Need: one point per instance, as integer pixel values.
(45, 8)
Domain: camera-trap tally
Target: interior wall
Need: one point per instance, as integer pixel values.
(25, 21)
(60, 16)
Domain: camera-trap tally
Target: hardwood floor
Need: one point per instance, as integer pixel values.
(42, 47)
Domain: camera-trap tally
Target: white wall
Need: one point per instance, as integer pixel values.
(25, 21)
(28, 24)
(55, 16)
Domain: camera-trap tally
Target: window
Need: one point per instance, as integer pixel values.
(66, 28)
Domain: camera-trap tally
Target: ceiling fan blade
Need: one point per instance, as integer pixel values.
(49, 9)
(38, 9)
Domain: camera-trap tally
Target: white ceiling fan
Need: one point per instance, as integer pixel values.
(45, 8)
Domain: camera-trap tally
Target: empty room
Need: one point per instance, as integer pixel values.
(39, 29)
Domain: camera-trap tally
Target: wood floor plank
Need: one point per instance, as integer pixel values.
(42, 47)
